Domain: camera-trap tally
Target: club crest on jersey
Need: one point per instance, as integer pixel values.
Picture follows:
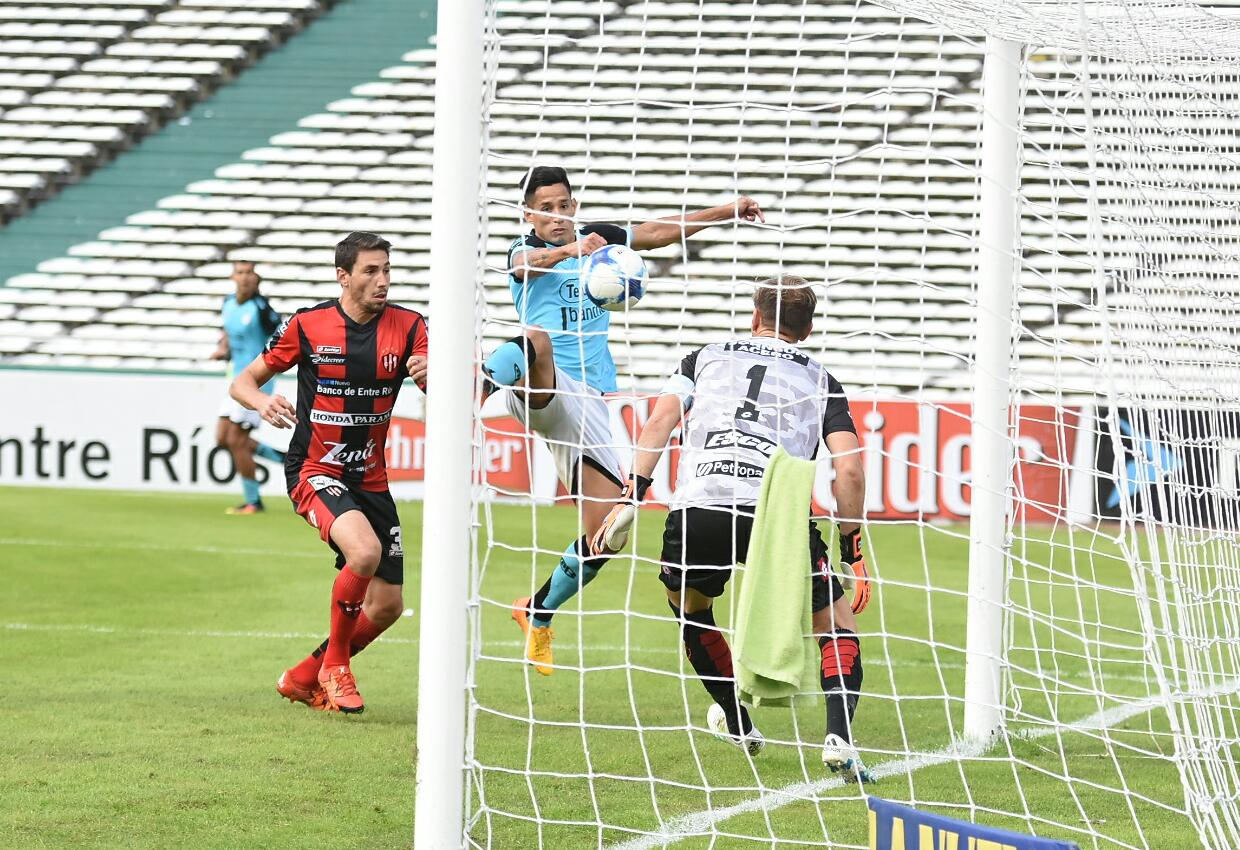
(388, 362)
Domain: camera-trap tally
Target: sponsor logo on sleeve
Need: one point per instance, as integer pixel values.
(279, 334)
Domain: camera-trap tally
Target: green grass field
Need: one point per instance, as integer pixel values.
(142, 636)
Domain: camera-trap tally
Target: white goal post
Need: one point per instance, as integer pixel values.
(1021, 223)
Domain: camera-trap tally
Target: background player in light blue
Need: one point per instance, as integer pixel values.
(560, 367)
(248, 322)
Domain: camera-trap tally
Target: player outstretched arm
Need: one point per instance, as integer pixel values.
(246, 389)
(666, 416)
(666, 231)
(530, 264)
(849, 491)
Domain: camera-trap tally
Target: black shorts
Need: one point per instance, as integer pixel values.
(320, 499)
(700, 550)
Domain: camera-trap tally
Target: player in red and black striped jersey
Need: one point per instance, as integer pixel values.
(352, 355)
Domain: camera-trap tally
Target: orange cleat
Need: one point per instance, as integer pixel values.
(341, 689)
(248, 509)
(314, 697)
(537, 639)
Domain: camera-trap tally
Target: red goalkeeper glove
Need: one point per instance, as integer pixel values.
(613, 534)
(852, 557)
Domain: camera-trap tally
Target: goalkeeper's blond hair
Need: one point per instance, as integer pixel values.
(786, 303)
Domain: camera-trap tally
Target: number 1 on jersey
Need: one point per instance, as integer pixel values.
(749, 408)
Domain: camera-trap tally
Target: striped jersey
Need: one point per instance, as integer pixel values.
(745, 398)
(348, 377)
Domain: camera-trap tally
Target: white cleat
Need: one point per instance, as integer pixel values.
(841, 757)
(717, 723)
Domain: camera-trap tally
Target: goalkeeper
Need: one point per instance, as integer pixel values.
(561, 366)
(740, 401)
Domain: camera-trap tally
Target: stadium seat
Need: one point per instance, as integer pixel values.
(836, 143)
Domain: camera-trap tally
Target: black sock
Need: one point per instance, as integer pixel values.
(708, 651)
(841, 679)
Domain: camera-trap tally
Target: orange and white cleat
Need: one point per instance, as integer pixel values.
(537, 639)
(341, 689)
(248, 509)
(314, 697)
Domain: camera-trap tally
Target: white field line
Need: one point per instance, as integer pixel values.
(699, 824)
(162, 547)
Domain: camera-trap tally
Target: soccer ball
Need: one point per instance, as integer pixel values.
(614, 277)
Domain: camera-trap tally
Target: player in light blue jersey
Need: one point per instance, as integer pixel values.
(560, 367)
(248, 322)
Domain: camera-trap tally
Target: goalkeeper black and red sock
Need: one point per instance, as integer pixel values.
(841, 679)
(708, 651)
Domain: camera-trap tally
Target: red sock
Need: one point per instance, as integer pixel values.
(306, 673)
(363, 634)
(348, 593)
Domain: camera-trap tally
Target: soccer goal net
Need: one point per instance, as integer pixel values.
(1086, 686)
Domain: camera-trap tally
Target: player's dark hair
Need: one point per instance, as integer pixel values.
(788, 301)
(349, 247)
(253, 268)
(544, 175)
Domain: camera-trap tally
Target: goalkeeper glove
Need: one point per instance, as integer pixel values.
(613, 534)
(852, 557)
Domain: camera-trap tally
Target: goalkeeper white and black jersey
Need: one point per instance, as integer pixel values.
(744, 399)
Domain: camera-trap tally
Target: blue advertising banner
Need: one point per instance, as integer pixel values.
(897, 827)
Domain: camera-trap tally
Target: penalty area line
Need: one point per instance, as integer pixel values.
(702, 824)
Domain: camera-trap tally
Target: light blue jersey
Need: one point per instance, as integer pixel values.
(248, 327)
(556, 302)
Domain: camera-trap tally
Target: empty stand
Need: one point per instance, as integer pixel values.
(124, 67)
(857, 130)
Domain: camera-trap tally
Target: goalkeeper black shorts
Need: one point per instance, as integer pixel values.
(702, 545)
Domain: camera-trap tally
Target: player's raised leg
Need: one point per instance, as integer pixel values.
(836, 627)
(265, 451)
(577, 567)
(525, 362)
